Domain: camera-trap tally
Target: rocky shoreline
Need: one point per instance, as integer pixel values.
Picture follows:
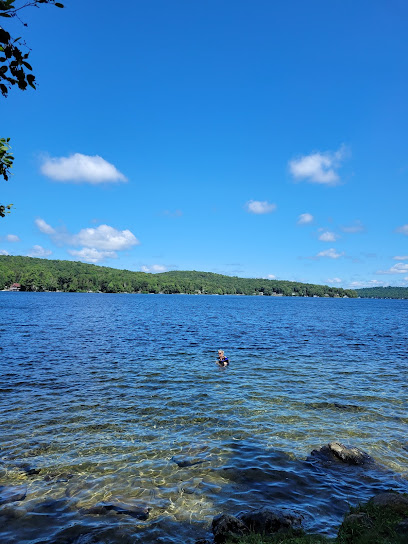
(381, 520)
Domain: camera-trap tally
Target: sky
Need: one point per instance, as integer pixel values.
(255, 138)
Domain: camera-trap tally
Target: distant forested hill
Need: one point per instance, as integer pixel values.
(383, 292)
(46, 275)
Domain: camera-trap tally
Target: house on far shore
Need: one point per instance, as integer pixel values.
(15, 287)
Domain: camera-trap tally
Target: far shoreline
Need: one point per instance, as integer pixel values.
(257, 295)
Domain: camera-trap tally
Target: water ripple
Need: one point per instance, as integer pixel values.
(115, 399)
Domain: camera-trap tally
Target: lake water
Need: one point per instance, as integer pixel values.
(109, 399)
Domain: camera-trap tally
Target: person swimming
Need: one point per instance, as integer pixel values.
(222, 359)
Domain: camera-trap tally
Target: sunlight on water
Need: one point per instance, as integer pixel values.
(118, 424)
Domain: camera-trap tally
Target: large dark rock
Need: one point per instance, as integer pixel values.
(12, 493)
(225, 526)
(384, 518)
(267, 521)
(346, 454)
(393, 501)
(361, 519)
(402, 527)
(351, 455)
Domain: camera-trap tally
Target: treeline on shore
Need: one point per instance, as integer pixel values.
(383, 292)
(34, 274)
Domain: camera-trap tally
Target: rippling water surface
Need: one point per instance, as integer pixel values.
(111, 400)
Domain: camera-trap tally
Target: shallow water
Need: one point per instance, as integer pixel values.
(117, 399)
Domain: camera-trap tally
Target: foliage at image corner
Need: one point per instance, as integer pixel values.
(14, 70)
(6, 162)
(14, 66)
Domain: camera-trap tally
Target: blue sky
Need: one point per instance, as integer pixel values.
(258, 139)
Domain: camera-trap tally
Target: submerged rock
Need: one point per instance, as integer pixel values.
(191, 486)
(86, 539)
(225, 527)
(348, 407)
(338, 451)
(79, 534)
(12, 493)
(183, 462)
(28, 469)
(58, 477)
(135, 511)
(10, 511)
(51, 507)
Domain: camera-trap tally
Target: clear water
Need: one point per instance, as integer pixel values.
(117, 398)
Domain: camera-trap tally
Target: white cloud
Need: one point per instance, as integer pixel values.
(154, 268)
(355, 227)
(4, 252)
(176, 213)
(403, 229)
(79, 168)
(334, 280)
(318, 167)
(92, 255)
(401, 258)
(105, 238)
(271, 277)
(12, 238)
(369, 283)
(398, 268)
(96, 244)
(328, 236)
(39, 251)
(305, 218)
(260, 206)
(331, 253)
(44, 227)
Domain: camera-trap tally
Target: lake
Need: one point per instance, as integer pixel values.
(111, 400)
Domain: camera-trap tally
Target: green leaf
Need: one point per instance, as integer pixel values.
(4, 36)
